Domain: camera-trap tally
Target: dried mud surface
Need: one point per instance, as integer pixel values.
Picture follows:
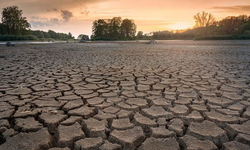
(171, 95)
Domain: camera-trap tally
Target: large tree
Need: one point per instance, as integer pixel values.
(15, 22)
(204, 19)
(115, 27)
(140, 35)
(83, 37)
(100, 29)
(234, 25)
(128, 28)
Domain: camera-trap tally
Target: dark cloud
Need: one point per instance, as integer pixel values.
(38, 18)
(41, 22)
(38, 6)
(235, 9)
(66, 15)
(53, 10)
(84, 10)
(55, 21)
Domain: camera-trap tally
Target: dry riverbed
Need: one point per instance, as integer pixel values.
(171, 95)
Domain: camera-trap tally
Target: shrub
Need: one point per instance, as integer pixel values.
(18, 38)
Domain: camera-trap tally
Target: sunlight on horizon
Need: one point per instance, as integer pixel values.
(181, 26)
(149, 15)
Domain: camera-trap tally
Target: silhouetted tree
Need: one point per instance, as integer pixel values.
(100, 29)
(83, 37)
(3, 29)
(70, 36)
(204, 19)
(234, 25)
(115, 27)
(140, 35)
(128, 28)
(12, 18)
(38, 33)
(46, 35)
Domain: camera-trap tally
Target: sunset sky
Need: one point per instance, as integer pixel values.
(77, 16)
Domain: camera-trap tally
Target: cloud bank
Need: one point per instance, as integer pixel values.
(234, 9)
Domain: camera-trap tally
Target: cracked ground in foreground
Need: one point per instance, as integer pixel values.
(109, 96)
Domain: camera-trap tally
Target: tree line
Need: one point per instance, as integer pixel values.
(113, 29)
(206, 27)
(16, 27)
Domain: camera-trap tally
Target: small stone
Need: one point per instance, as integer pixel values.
(95, 128)
(160, 144)
(27, 125)
(88, 144)
(208, 131)
(234, 145)
(129, 139)
(121, 124)
(191, 143)
(67, 135)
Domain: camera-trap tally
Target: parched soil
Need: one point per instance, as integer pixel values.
(171, 95)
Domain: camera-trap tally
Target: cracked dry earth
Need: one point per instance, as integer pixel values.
(173, 95)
